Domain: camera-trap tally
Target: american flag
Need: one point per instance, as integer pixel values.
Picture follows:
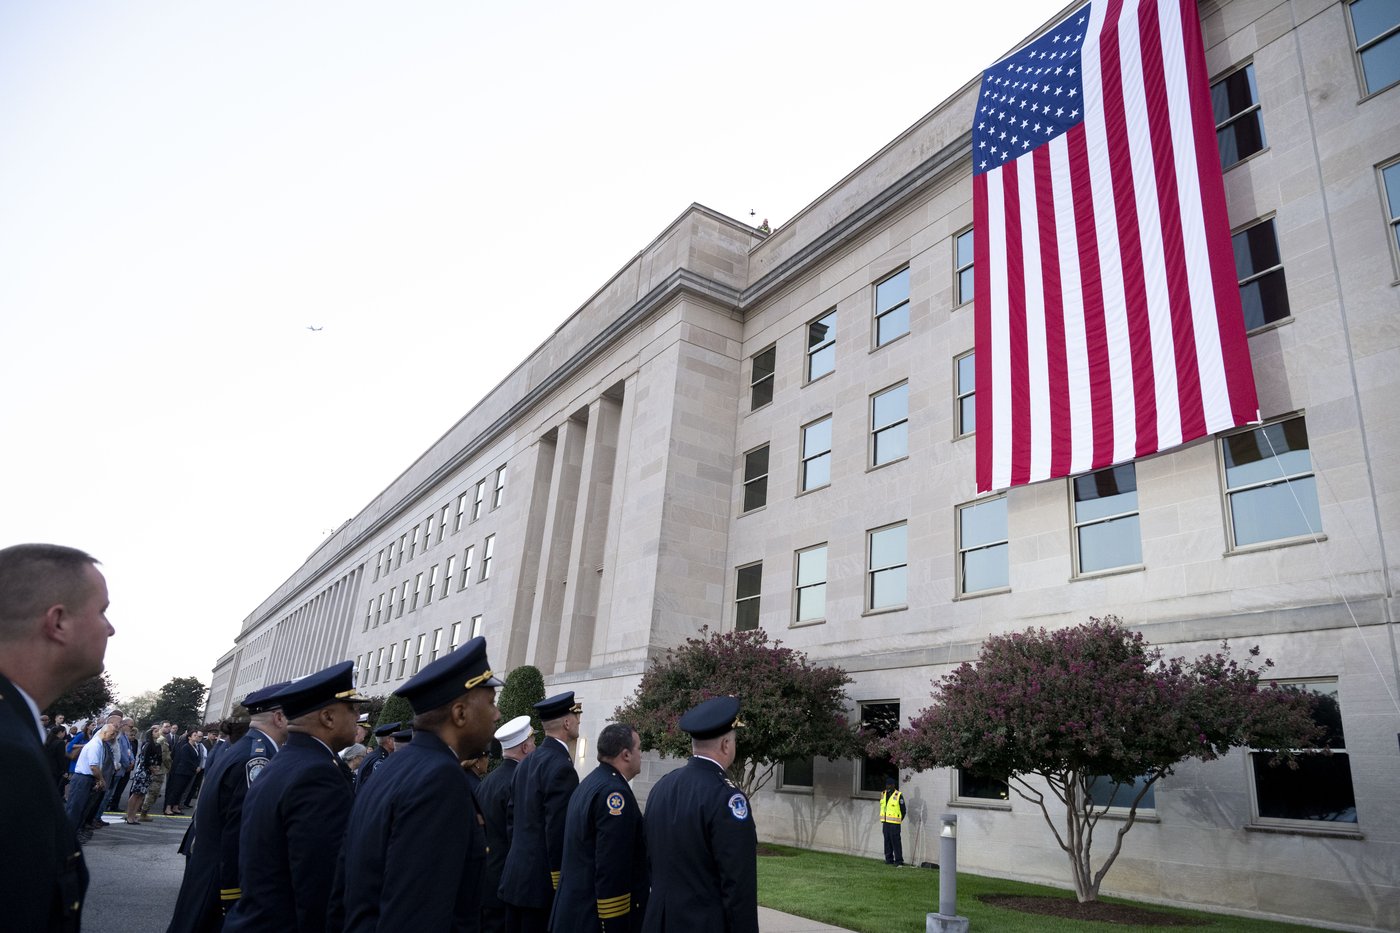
(1108, 320)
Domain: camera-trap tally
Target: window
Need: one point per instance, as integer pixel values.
(456, 636)
(1239, 128)
(379, 609)
(1106, 532)
(887, 571)
(892, 308)
(965, 418)
(1376, 24)
(447, 575)
(428, 533)
(796, 774)
(880, 719)
(816, 454)
(811, 584)
(1319, 790)
(1260, 271)
(479, 500)
(403, 546)
(821, 345)
(403, 599)
(486, 550)
(500, 487)
(437, 644)
(389, 668)
(1390, 180)
(962, 267)
(369, 614)
(442, 522)
(413, 543)
(476, 626)
(432, 583)
(392, 590)
(761, 378)
(756, 478)
(378, 564)
(378, 663)
(1105, 792)
(388, 562)
(461, 513)
(417, 591)
(747, 586)
(359, 671)
(982, 546)
(1269, 484)
(889, 425)
(467, 567)
(972, 786)
(418, 658)
(403, 659)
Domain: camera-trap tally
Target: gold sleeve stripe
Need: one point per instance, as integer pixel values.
(615, 912)
(554, 877)
(621, 899)
(230, 894)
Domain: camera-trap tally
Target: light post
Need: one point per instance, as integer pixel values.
(947, 920)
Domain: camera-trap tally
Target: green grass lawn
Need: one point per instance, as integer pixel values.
(868, 895)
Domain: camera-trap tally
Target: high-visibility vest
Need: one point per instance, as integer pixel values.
(890, 811)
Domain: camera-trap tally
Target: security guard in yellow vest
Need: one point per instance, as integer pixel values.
(892, 812)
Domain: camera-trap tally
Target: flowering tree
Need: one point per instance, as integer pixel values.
(1095, 701)
(791, 708)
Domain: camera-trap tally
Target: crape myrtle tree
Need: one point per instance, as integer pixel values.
(1095, 702)
(791, 707)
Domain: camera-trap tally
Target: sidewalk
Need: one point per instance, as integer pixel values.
(771, 921)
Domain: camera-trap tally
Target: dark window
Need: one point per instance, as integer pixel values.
(1377, 27)
(748, 584)
(1260, 271)
(797, 772)
(1105, 792)
(821, 346)
(1239, 128)
(892, 308)
(981, 787)
(761, 380)
(880, 719)
(756, 478)
(1319, 789)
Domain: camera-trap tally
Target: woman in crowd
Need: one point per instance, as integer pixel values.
(149, 755)
(56, 748)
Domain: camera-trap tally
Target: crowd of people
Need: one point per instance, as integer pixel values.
(301, 826)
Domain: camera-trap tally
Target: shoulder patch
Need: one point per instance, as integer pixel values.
(254, 767)
(615, 803)
(739, 807)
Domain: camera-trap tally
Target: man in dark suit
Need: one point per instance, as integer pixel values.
(540, 800)
(294, 814)
(53, 634)
(384, 736)
(701, 841)
(415, 849)
(210, 886)
(184, 762)
(517, 740)
(604, 882)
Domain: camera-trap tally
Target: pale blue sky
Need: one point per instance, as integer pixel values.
(184, 188)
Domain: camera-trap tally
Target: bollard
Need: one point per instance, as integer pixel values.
(947, 919)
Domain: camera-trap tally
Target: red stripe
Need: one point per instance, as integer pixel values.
(1188, 374)
(982, 331)
(1129, 244)
(1091, 284)
(1054, 316)
(1229, 315)
(1016, 328)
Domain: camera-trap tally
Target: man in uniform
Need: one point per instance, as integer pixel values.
(700, 835)
(53, 634)
(415, 850)
(539, 804)
(384, 736)
(517, 742)
(892, 812)
(603, 884)
(210, 886)
(294, 814)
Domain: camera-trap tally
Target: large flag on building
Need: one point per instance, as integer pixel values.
(1108, 320)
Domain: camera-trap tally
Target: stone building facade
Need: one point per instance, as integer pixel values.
(742, 429)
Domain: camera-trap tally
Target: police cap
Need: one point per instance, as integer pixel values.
(265, 698)
(712, 718)
(403, 735)
(389, 728)
(450, 676)
(558, 705)
(335, 684)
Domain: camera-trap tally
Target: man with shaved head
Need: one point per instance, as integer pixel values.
(53, 634)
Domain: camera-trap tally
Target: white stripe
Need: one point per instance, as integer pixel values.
(1037, 367)
(1153, 250)
(1000, 362)
(1110, 259)
(1215, 392)
(1081, 411)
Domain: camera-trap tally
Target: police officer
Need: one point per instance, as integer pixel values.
(539, 803)
(701, 841)
(892, 812)
(384, 735)
(603, 883)
(517, 742)
(210, 886)
(294, 814)
(415, 849)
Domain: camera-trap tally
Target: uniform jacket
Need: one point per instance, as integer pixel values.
(211, 871)
(185, 760)
(494, 797)
(373, 760)
(42, 874)
(703, 853)
(603, 884)
(415, 848)
(544, 783)
(293, 826)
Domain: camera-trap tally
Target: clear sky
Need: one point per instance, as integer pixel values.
(186, 188)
